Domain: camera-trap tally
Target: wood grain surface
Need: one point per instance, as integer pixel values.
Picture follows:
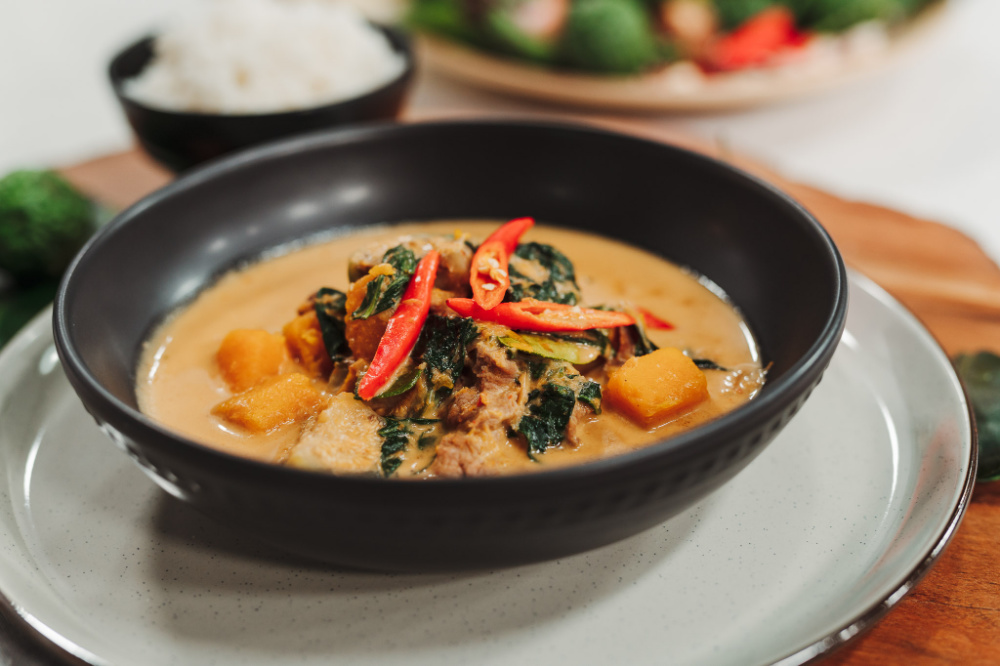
(953, 615)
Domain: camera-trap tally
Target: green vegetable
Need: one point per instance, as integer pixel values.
(839, 15)
(550, 405)
(329, 305)
(402, 385)
(549, 410)
(980, 373)
(384, 292)
(614, 36)
(397, 434)
(44, 221)
(537, 369)
(733, 13)
(590, 394)
(504, 34)
(638, 333)
(442, 17)
(18, 307)
(594, 337)
(442, 347)
(551, 347)
(557, 276)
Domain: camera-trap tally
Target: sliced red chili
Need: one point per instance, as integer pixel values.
(652, 321)
(403, 329)
(756, 40)
(489, 269)
(541, 316)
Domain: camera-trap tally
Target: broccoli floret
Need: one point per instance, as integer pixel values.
(609, 36)
(43, 222)
(733, 13)
(839, 15)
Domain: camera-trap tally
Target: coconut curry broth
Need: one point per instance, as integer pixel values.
(180, 379)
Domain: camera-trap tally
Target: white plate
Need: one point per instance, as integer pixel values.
(833, 63)
(818, 537)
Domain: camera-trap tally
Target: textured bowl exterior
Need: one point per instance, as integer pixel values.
(764, 250)
(180, 140)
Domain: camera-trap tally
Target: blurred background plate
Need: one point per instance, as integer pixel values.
(676, 88)
(820, 536)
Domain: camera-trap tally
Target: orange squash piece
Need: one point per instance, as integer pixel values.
(363, 335)
(248, 356)
(281, 400)
(305, 342)
(653, 388)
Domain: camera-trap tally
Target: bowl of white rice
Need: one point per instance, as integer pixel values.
(237, 73)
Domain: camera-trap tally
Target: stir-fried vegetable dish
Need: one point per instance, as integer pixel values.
(631, 36)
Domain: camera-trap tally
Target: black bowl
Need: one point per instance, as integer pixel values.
(770, 256)
(180, 140)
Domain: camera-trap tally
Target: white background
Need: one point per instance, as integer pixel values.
(922, 137)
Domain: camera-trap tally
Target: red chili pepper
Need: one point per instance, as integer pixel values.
(541, 316)
(655, 322)
(403, 328)
(489, 277)
(757, 39)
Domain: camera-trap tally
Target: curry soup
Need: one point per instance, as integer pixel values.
(247, 367)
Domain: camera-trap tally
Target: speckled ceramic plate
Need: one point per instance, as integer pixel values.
(833, 63)
(807, 547)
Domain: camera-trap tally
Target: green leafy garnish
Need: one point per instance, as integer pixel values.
(707, 364)
(396, 436)
(640, 337)
(442, 347)
(558, 284)
(330, 312)
(551, 404)
(549, 410)
(384, 292)
(536, 369)
(590, 394)
(980, 373)
(402, 385)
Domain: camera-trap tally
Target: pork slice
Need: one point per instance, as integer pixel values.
(501, 383)
(482, 414)
(467, 453)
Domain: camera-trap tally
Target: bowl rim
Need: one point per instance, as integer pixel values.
(400, 41)
(799, 377)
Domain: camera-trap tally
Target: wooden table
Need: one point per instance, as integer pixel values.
(953, 614)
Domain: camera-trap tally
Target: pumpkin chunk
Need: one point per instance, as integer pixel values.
(248, 356)
(277, 401)
(305, 342)
(363, 335)
(652, 388)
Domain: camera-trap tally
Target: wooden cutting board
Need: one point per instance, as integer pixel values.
(953, 615)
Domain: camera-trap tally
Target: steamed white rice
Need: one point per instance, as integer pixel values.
(263, 56)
